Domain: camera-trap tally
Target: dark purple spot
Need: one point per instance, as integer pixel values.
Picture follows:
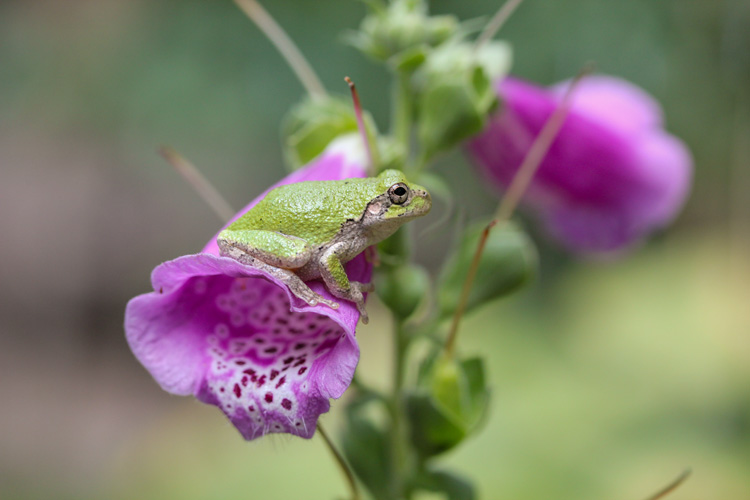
(281, 382)
(237, 390)
(261, 380)
(274, 374)
(312, 326)
(302, 370)
(315, 344)
(251, 408)
(221, 389)
(269, 397)
(249, 371)
(300, 345)
(298, 424)
(259, 340)
(286, 404)
(240, 362)
(300, 362)
(282, 321)
(244, 381)
(296, 331)
(288, 360)
(271, 350)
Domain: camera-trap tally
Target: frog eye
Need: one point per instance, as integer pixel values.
(398, 193)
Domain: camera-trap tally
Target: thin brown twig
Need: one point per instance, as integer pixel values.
(199, 183)
(361, 125)
(517, 188)
(671, 486)
(497, 22)
(285, 46)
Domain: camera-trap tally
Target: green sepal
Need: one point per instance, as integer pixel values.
(448, 404)
(452, 486)
(509, 261)
(312, 124)
(402, 288)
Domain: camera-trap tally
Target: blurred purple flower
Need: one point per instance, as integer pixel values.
(237, 338)
(612, 175)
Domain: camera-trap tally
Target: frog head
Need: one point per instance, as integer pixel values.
(398, 202)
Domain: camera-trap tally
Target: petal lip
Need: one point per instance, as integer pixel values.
(612, 175)
(236, 337)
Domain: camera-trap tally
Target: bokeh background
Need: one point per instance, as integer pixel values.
(608, 377)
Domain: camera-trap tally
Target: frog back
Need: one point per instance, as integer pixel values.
(312, 210)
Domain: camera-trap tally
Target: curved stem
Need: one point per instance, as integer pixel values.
(285, 46)
(517, 188)
(341, 463)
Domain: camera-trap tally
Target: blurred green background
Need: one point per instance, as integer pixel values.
(608, 378)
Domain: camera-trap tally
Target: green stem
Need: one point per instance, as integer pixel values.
(402, 116)
(398, 429)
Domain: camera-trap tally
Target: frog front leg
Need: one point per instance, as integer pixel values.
(275, 253)
(333, 273)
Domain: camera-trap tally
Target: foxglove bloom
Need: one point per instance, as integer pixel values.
(612, 174)
(237, 338)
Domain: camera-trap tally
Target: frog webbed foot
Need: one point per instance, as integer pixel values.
(356, 294)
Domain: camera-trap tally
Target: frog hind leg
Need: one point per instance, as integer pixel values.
(333, 273)
(276, 254)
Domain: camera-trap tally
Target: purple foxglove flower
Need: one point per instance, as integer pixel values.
(612, 175)
(237, 338)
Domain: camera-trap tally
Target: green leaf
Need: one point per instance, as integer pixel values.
(366, 448)
(454, 487)
(508, 262)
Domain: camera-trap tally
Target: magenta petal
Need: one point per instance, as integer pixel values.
(237, 338)
(611, 176)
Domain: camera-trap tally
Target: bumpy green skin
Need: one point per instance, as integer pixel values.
(310, 229)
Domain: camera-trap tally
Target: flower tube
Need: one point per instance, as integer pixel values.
(613, 174)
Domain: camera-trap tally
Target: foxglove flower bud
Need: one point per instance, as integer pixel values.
(612, 175)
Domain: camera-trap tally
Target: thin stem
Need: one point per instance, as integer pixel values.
(497, 22)
(538, 151)
(402, 116)
(285, 46)
(398, 461)
(361, 125)
(671, 486)
(199, 183)
(508, 204)
(341, 463)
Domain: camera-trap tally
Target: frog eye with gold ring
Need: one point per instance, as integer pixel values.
(398, 193)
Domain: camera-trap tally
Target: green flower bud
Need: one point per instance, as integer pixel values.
(508, 262)
(402, 288)
(455, 93)
(402, 25)
(311, 125)
(448, 405)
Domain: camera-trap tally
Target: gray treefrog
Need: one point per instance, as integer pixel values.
(308, 230)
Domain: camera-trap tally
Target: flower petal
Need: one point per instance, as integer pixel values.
(612, 174)
(237, 338)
